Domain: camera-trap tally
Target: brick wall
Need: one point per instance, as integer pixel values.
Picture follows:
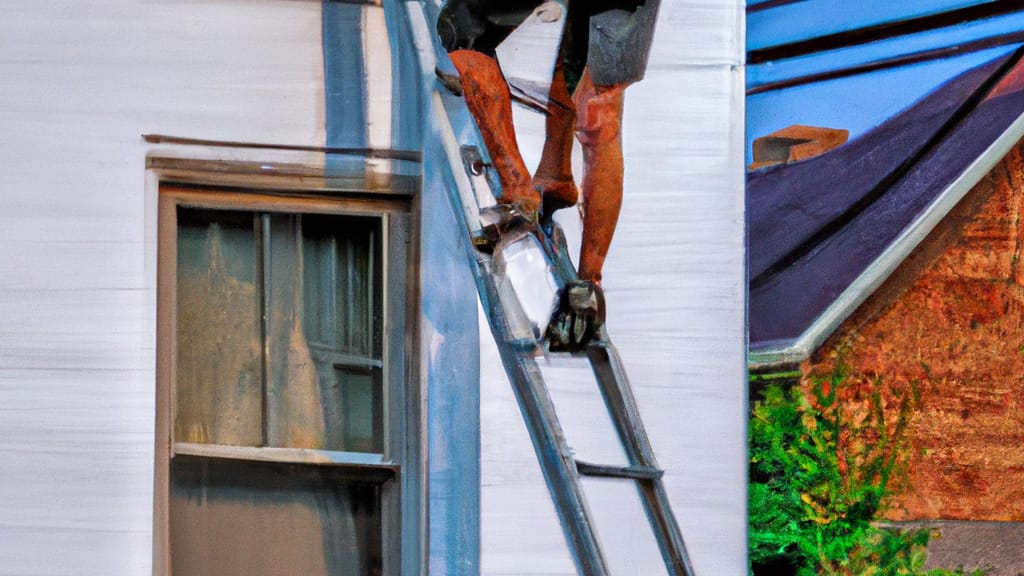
(952, 322)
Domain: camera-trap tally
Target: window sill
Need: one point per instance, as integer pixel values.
(285, 455)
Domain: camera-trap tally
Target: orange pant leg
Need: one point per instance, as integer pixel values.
(599, 129)
(490, 102)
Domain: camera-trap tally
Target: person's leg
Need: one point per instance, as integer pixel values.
(490, 102)
(580, 311)
(599, 124)
(553, 177)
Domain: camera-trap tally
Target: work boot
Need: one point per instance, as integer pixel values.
(577, 318)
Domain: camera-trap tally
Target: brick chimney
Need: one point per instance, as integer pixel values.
(795, 143)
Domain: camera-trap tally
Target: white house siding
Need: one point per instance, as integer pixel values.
(674, 283)
(79, 83)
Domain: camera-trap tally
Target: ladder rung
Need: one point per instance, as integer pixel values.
(526, 345)
(634, 472)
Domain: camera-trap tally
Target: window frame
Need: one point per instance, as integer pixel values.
(400, 466)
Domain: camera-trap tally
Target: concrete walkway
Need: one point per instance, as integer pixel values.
(998, 546)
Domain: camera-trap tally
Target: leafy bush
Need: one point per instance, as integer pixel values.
(819, 473)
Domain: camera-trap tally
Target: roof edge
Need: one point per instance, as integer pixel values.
(776, 357)
(890, 259)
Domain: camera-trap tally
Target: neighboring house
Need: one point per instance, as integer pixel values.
(897, 254)
(949, 322)
(249, 341)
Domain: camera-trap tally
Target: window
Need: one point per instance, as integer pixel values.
(284, 397)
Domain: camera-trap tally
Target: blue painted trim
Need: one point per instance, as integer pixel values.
(450, 310)
(449, 330)
(407, 115)
(344, 81)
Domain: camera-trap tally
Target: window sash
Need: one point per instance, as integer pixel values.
(255, 290)
(394, 222)
(401, 494)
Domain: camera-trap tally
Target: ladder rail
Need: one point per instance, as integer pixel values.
(621, 404)
(610, 374)
(552, 449)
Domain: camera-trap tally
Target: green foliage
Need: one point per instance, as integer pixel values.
(819, 477)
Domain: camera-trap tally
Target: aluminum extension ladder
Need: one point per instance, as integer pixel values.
(470, 189)
(518, 347)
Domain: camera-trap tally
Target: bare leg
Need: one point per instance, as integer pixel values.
(580, 311)
(489, 101)
(599, 131)
(553, 177)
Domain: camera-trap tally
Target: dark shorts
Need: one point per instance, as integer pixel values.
(612, 38)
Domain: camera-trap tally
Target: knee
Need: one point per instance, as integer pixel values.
(599, 115)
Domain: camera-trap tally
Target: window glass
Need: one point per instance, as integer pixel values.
(219, 364)
(283, 389)
(279, 330)
(241, 518)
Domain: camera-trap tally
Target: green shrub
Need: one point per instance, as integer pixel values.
(819, 475)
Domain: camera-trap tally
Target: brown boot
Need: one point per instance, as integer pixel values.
(599, 131)
(490, 102)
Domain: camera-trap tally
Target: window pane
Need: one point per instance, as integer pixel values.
(295, 412)
(251, 518)
(360, 409)
(219, 367)
(342, 278)
(318, 279)
(324, 333)
(346, 326)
